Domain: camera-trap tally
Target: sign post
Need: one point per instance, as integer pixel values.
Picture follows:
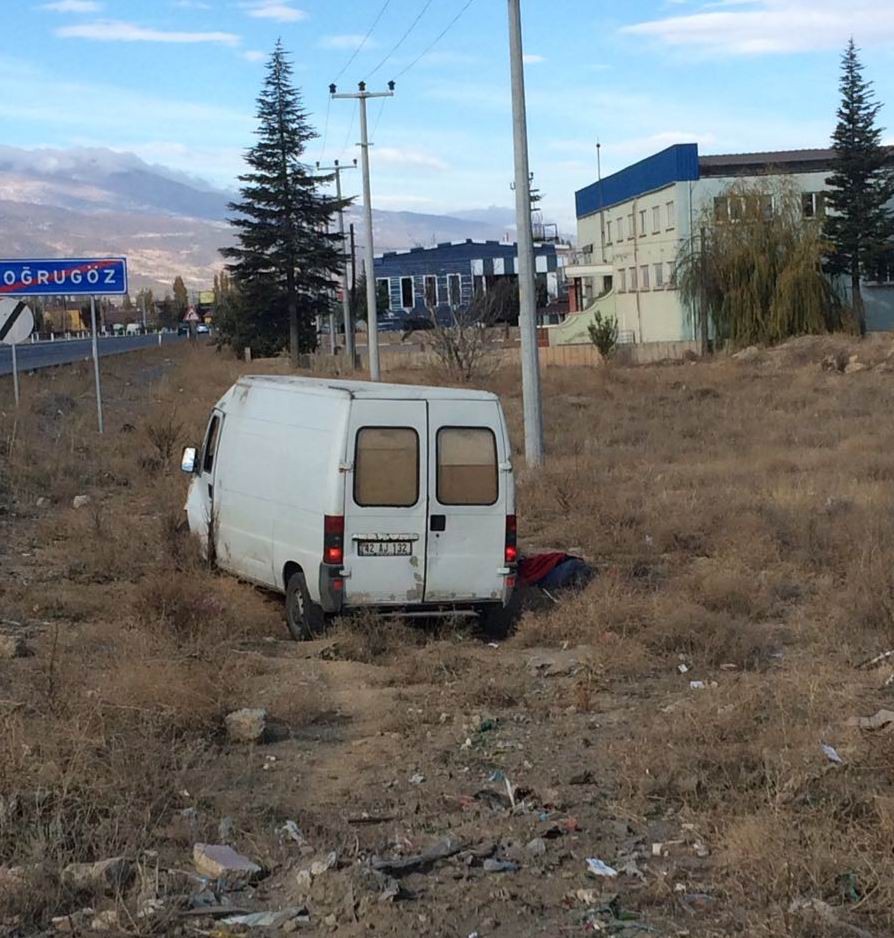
(76, 276)
(96, 364)
(16, 324)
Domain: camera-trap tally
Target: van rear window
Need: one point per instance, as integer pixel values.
(467, 466)
(386, 467)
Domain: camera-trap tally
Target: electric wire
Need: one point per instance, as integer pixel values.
(350, 129)
(378, 118)
(437, 39)
(363, 42)
(403, 38)
(325, 127)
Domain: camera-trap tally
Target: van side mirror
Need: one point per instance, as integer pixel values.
(188, 459)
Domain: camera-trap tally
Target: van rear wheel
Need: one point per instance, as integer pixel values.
(304, 617)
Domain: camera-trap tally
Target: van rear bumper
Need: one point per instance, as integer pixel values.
(332, 588)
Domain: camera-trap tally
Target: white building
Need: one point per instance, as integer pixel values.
(632, 225)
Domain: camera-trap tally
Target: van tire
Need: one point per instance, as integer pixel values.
(304, 617)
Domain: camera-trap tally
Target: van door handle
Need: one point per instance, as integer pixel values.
(438, 523)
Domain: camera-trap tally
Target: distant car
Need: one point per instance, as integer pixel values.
(202, 328)
(183, 329)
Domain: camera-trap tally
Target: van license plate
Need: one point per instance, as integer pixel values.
(385, 548)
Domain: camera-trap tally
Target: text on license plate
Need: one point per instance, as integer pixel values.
(385, 548)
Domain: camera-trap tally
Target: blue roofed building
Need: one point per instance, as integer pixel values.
(451, 274)
(632, 226)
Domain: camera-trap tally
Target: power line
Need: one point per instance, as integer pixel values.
(403, 38)
(378, 118)
(437, 38)
(325, 127)
(356, 52)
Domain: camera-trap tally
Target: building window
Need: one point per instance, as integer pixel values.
(431, 291)
(632, 272)
(642, 223)
(383, 293)
(631, 221)
(656, 219)
(813, 204)
(454, 289)
(622, 280)
(479, 284)
(658, 273)
(620, 229)
(608, 232)
(386, 467)
(671, 220)
(644, 277)
(407, 300)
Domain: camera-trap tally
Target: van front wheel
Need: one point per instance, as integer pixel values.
(304, 617)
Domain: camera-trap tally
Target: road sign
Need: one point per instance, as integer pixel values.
(192, 315)
(16, 322)
(78, 276)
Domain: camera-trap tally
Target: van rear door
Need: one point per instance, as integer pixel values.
(386, 502)
(468, 498)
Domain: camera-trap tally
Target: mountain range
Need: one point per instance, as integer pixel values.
(92, 202)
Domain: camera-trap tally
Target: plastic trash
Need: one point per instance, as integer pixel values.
(831, 754)
(598, 868)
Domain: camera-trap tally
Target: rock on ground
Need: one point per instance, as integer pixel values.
(13, 646)
(247, 725)
(218, 861)
(80, 501)
(109, 876)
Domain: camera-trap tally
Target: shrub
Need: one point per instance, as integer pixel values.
(604, 333)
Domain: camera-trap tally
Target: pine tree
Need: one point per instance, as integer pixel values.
(285, 262)
(859, 225)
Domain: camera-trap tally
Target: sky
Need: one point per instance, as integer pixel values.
(175, 82)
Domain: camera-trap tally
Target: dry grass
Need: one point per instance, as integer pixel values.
(739, 517)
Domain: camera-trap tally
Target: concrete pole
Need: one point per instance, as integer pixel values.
(345, 296)
(372, 316)
(527, 317)
(96, 363)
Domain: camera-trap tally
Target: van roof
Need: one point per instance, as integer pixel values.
(364, 389)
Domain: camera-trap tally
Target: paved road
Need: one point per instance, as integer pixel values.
(65, 351)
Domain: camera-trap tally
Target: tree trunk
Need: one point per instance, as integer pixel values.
(293, 319)
(857, 299)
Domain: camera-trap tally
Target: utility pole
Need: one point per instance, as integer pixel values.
(530, 362)
(601, 200)
(372, 315)
(345, 299)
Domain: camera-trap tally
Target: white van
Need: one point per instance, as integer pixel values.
(347, 494)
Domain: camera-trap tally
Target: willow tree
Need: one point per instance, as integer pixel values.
(752, 271)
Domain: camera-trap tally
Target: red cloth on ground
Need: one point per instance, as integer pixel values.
(532, 570)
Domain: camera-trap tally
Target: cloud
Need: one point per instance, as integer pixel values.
(118, 31)
(774, 26)
(400, 156)
(531, 58)
(281, 11)
(72, 6)
(348, 41)
(254, 55)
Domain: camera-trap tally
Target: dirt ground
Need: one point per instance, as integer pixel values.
(670, 720)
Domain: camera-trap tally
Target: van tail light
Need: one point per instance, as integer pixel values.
(333, 539)
(511, 550)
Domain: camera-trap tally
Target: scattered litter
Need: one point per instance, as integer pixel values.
(218, 861)
(291, 830)
(701, 850)
(269, 919)
(682, 668)
(400, 865)
(657, 850)
(497, 776)
(493, 645)
(492, 865)
(878, 659)
(536, 847)
(696, 685)
(495, 800)
(882, 720)
(598, 868)
(416, 779)
(831, 754)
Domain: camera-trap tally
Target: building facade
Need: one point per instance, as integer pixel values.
(632, 226)
(449, 275)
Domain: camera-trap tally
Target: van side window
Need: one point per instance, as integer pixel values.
(211, 444)
(467, 466)
(386, 467)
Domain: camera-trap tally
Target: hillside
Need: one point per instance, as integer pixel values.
(96, 201)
